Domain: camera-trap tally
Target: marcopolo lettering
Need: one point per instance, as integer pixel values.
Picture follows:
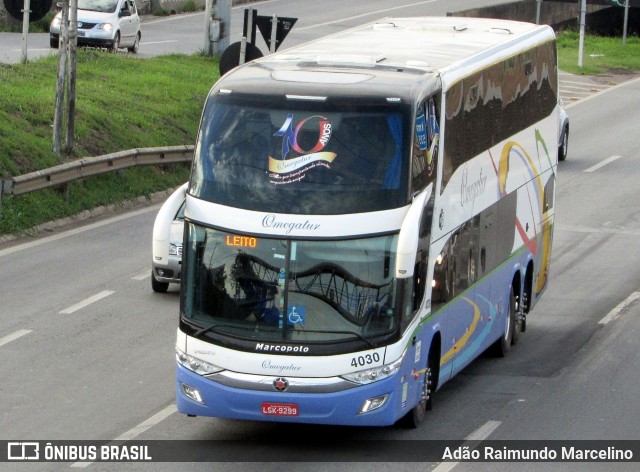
(281, 348)
(270, 221)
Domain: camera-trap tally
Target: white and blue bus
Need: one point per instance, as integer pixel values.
(367, 213)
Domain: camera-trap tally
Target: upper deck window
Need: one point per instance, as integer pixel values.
(302, 156)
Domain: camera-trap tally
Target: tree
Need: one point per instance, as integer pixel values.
(66, 80)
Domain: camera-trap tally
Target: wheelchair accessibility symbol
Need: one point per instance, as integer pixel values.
(296, 314)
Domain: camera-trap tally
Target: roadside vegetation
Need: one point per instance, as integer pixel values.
(125, 102)
(122, 102)
(600, 55)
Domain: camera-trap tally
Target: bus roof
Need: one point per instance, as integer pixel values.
(396, 51)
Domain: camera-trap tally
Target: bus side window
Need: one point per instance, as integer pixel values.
(419, 279)
(425, 146)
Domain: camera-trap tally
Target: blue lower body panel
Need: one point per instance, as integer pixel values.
(338, 408)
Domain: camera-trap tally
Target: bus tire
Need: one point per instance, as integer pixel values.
(518, 324)
(416, 416)
(501, 347)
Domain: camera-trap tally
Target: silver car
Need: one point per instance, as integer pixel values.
(563, 133)
(166, 270)
(111, 24)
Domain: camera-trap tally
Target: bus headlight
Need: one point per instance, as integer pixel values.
(367, 376)
(194, 364)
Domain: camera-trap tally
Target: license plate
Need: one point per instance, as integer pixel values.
(80, 33)
(280, 409)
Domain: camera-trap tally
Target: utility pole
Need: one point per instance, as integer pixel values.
(217, 26)
(71, 75)
(65, 107)
(583, 9)
(626, 20)
(58, 117)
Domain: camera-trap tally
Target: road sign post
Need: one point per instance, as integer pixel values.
(26, 11)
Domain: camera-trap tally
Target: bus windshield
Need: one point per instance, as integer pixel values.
(264, 154)
(280, 290)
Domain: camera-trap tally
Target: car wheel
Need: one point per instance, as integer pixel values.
(54, 43)
(136, 45)
(157, 286)
(116, 43)
(564, 144)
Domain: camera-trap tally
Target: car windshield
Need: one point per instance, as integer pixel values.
(103, 6)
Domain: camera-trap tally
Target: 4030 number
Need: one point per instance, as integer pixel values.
(367, 359)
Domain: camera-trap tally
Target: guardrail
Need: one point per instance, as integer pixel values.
(91, 166)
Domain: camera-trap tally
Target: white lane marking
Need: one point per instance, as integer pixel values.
(75, 231)
(145, 425)
(13, 336)
(174, 17)
(197, 13)
(607, 90)
(376, 12)
(577, 83)
(603, 230)
(88, 301)
(142, 275)
(609, 160)
(613, 314)
(160, 42)
(484, 431)
(139, 429)
(480, 434)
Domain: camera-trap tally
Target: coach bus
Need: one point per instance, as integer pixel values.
(367, 213)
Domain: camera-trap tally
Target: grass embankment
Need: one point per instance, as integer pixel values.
(124, 102)
(600, 54)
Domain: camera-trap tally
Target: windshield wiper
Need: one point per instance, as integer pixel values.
(201, 331)
(352, 333)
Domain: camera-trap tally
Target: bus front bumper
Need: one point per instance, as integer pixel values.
(199, 396)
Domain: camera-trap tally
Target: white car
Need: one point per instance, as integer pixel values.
(111, 24)
(166, 260)
(563, 134)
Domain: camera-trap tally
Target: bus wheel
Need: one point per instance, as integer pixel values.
(416, 416)
(519, 320)
(501, 347)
